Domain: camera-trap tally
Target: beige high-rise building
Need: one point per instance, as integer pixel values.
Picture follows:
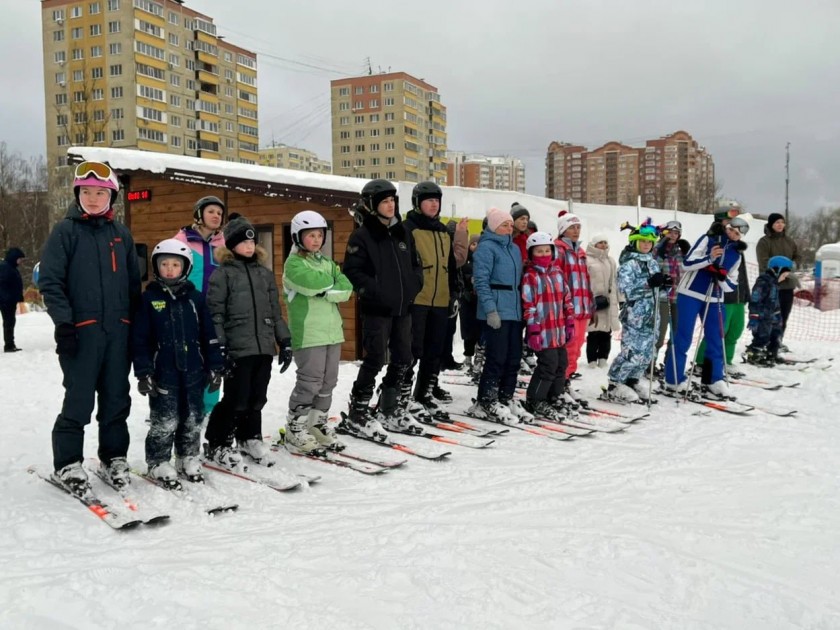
(283, 156)
(390, 126)
(481, 171)
(671, 172)
(145, 74)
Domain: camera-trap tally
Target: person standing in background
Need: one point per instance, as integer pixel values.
(603, 278)
(11, 294)
(776, 242)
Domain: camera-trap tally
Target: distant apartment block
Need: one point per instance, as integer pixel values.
(669, 172)
(481, 171)
(390, 126)
(145, 74)
(282, 156)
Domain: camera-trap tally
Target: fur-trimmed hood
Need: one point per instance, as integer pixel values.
(224, 256)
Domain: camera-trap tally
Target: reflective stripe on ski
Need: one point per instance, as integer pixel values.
(554, 435)
(395, 445)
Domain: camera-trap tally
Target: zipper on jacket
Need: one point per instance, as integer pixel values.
(399, 268)
(254, 303)
(113, 257)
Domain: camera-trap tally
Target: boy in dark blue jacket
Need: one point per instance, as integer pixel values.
(766, 313)
(176, 353)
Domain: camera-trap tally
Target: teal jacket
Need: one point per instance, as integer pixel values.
(313, 286)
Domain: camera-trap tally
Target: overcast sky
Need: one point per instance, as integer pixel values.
(744, 77)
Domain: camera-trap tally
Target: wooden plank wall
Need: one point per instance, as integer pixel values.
(171, 209)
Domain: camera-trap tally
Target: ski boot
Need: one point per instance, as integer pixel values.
(718, 389)
(493, 411)
(518, 411)
(394, 418)
(224, 456)
(619, 393)
(115, 472)
(166, 475)
(324, 432)
(297, 437)
(256, 450)
(189, 467)
(360, 420)
(642, 387)
(73, 478)
(438, 393)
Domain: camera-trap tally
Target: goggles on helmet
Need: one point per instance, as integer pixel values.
(738, 224)
(97, 169)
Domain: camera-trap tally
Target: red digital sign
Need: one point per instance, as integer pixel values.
(139, 195)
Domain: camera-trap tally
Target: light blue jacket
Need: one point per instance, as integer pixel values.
(497, 272)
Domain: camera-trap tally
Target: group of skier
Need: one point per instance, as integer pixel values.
(212, 316)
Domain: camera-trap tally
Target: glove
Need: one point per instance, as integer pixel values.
(718, 272)
(534, 338)
(146, 385)
(570, 329)
(752, 326)
(66, 340)
(214, 381)
(285, 356)
(657, 280)
(493, 320)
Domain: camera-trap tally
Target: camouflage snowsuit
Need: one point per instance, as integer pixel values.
(639, 317)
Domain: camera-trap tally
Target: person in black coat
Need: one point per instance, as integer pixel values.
(383, 266)
(90, 281)
(11, 293)
(176, 352)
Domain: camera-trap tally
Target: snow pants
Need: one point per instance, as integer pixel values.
(734, 317)
(176, 414)
(239, 413)
(574, 345)
(598, 345)
(502, 355)
(691, 309)
(428, 338)
(639, 329)
(317, 375)
(381, 335)
(98, 373)
(549, 379)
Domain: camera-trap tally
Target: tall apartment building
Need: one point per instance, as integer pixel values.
(481, 171)
(283, 156)
(390, 126)
(145, 74)
(669, 172)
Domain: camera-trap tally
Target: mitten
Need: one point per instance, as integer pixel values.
(570, 329)
(214, 381)
(717, 271)
(493, 320)
(66, 340)
(657, 280)
(534, 338)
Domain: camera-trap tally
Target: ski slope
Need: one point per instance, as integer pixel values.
(682, 521)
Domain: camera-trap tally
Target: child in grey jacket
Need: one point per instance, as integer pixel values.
(244, 302)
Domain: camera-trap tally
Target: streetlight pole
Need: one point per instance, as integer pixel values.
(787, 178)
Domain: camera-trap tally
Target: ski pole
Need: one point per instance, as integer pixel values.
(702, 333)
(655, 334)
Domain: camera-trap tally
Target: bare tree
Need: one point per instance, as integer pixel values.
(812, 232)
(24, 205)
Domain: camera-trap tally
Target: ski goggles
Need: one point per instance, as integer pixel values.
(738, 224)
(97, 169)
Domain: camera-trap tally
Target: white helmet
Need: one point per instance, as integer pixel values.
(539, 238)
(307, 220)
(172, 247)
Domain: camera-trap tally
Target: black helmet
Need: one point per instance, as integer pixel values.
(198, 208)
(375, 191)
(425, 190)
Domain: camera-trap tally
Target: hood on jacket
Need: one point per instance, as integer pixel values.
(13, 255)
(223, 255)
(379, 231)
(422, 222)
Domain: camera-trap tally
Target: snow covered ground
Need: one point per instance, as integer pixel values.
(682, 521)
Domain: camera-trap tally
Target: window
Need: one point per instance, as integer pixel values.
(175, 60)
(58, 14)
(373, 89)
(97, 73)
(114, 49)
(60, 78)
(359, 120)
(147, 49)
(389, 101)
(78, 75)
(374, 133)
(93, 8)
(60, 56)
(113, 5)
(150, 113)
(175, 121)
(374, 118)
(360, 148)
(358, 105)
(173, 40)
(344, 120)
(98, 94)
(58, 36)
(76, 12)
(95, 29)
(388, 87)
(62, 140)
(99, 136)
(344, 91)
(389, 131)
(61, 99)
(191, 124)
(99, 115)
(149, 7)
(173, 18)
(175, 141)
(344, 135)
(78, 54)
(151, 134)
(79, 97)
(360, 133)
(389, 146)
(389, 116)
(343, 107)
(228, 57)
(117, 113)
(76, 33)
(174, 79)
(390, 160)
(174, 100)
(345, 148)
(115, 70)
(154, 94)
(117, 135)
(96, 51)
(61, 120)
(116, 92)
(114, 27)
(374, 103)
(374, 146)
(151, 29)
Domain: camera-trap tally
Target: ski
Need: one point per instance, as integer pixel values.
(727, 406)
(114, 518)
(455, 428)
(467, 425)
(403, 448)
(598, 423)
(280, 485)
(188, 492)
(384, 463)
(562, 427)
(764, 384)
(780, 412)
(148, 514)
(335, 459)
(621, 416)
(554, 435)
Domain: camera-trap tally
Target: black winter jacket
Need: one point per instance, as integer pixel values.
(383, 266)
(11, 284)
(89, 272)
(244, 302)
(173, 333)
